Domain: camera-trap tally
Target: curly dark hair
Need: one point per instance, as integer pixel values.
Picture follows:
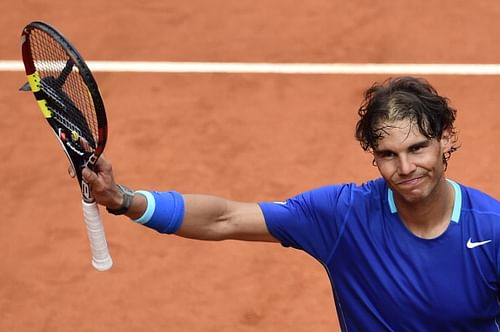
(404, 98)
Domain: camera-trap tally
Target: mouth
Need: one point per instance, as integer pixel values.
(410, 182)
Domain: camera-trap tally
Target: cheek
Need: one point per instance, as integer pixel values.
(386, 169)
(432, 160)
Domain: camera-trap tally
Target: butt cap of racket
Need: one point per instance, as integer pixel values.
(102, 264)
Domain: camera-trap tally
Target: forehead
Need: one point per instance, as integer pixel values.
(399, 134)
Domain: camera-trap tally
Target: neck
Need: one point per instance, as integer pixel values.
(429, 217)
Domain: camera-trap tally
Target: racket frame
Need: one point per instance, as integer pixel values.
(101, 260)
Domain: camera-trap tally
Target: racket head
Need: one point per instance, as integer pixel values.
(67, 94)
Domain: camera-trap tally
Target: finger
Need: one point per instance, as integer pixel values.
(71, 171)
(104, 165)
(88, 175)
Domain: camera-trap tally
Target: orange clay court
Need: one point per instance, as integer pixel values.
(249, 137)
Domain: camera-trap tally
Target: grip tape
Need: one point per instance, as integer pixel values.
(101, 259)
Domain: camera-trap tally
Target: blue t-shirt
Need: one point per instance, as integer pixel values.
(383, 277)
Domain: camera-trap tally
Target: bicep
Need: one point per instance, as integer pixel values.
(214, 218)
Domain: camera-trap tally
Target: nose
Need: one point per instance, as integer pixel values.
(406, 166)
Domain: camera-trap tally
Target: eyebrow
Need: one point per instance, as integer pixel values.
(420, 144)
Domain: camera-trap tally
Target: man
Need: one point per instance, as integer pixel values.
(410, 251)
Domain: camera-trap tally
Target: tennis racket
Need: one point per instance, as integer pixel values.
(69, 98)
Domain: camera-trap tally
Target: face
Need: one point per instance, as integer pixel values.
(411, 163)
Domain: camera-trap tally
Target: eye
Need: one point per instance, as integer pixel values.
(417, 148)
(386, 154)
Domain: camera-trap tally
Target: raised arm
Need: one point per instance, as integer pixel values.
(204, 217)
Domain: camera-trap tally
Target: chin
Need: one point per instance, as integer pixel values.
(420, 193)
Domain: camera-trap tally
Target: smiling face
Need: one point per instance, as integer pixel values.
(411, 163)
(401, 99)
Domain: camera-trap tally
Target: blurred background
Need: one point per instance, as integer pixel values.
(248, 136)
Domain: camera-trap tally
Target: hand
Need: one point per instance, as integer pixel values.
(102, 184)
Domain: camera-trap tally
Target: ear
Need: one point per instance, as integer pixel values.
(446, 140)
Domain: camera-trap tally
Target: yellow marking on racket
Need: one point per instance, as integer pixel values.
(47, 113)
(34, 81)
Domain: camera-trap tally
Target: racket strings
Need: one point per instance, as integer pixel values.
(67, 92)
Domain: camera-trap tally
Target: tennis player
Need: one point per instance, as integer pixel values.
(409, 251)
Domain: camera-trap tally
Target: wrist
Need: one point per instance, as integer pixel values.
(139, 206)
(127, 197)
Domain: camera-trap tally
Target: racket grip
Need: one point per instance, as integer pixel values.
(101, 259)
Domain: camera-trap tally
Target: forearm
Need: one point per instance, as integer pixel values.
(205, 217)
(211, 218)
(215, 218)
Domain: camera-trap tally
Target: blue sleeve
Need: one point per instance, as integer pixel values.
(312, 221)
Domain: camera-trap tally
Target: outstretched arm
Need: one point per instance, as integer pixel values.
(205, 217)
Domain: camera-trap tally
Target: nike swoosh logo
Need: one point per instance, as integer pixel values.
(471, 244)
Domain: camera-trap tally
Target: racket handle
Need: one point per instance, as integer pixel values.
(101, 259)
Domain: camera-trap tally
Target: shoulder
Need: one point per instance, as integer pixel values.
(345, 195)
(331, 201)
(480, 212)
(478, 201)
(373, 187)
(334, 197)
